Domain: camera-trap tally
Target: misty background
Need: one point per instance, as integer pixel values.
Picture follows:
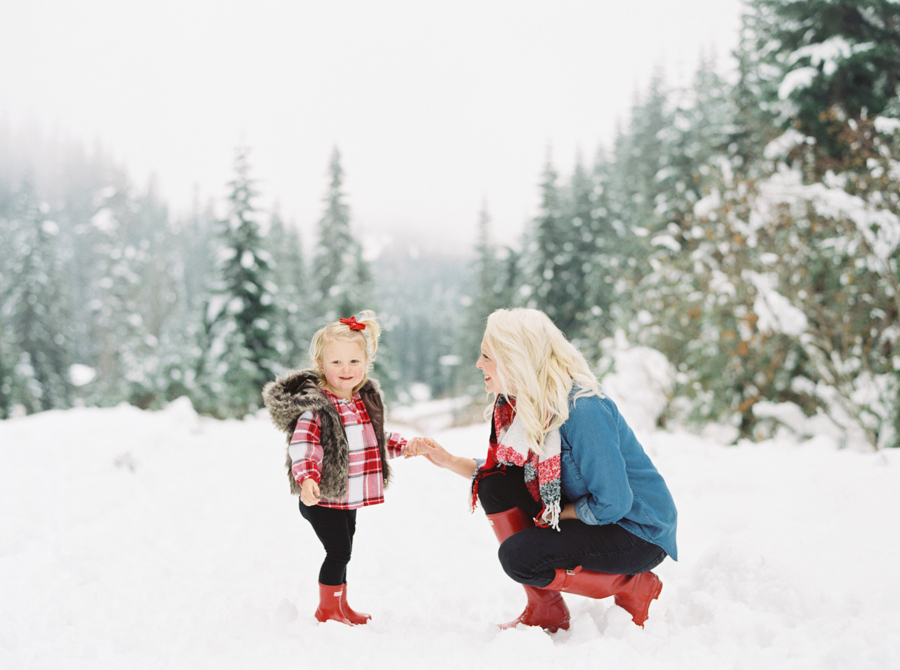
(187, 192)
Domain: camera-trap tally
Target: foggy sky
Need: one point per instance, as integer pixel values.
(435, 106)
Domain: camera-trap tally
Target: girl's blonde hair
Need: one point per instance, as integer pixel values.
(366, 338)
(539, 366)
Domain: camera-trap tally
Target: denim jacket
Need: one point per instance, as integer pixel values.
(609, 477)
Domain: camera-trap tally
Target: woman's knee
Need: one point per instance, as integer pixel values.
(519, 563)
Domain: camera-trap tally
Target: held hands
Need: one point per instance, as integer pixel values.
(425, 446)
(309, 492)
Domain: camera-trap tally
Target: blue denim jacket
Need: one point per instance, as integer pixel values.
(610, 478)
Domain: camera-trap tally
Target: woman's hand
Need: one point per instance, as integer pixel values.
(434, 452)
(568, 512)
(309, 492)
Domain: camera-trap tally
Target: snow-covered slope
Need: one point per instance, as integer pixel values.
(133, 539)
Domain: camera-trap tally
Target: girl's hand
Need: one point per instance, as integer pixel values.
(415, 447)
(309, 493)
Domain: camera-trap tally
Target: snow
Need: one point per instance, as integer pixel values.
(135, 539)
(798, 79)
(776, 313)
(879, 227)
(887, 125)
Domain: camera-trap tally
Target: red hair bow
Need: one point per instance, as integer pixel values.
(353, 323)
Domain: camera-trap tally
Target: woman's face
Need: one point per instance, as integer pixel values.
(488, 366)
(344, 365)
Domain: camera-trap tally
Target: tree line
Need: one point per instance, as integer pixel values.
(746, 225)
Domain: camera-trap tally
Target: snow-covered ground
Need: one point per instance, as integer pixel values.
(133, 539)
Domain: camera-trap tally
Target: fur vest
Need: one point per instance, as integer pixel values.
(288, 397)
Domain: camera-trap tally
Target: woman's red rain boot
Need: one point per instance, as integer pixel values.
(545, 607)
(633, 593)
(509, 522)
(329, 609)
(357, 618)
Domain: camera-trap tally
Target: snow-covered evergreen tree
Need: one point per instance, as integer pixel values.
(815, 219)
(341, 275)
(551, 257)
(34, 316)
(292, 297)
(241, 355)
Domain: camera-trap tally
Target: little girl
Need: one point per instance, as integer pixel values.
(338, 451)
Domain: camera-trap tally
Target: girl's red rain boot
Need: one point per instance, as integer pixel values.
(330, 604)
(545, 607)
(633, 593)
(357, 618)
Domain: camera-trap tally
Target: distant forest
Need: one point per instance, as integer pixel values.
(746, 225)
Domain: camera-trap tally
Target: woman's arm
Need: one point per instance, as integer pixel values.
(593, 435)
(434, 452)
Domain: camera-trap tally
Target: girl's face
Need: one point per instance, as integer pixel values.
(488, 366)
(344, 364)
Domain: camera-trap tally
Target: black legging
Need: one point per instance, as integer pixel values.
(532, 555)
(335, 529)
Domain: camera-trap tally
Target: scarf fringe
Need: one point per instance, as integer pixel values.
(550, 516)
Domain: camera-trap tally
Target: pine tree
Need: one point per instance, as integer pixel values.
(608, 300)
(342, 277)
(551, 257)
(833, 60)
(801, 235)
(488, 289)
(121, 348)
(33, 301)
(241, 316)
(291, 298)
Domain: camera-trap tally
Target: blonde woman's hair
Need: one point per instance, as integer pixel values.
(366, 338)
(539, 366)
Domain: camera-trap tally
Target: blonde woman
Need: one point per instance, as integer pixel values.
(572, 497)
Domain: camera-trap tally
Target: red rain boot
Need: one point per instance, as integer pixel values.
(633, 593)
(545, 607)
(357, 618)
(329, 609)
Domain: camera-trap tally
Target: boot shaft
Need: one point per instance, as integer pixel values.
(509, 522)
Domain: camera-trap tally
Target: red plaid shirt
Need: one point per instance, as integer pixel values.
(365, 484)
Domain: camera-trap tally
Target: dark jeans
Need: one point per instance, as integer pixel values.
(335, 529)
(531, 556)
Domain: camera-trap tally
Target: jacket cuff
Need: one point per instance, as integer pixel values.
(584, 513)
(308, 474)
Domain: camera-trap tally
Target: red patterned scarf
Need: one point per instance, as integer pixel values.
(509, 446)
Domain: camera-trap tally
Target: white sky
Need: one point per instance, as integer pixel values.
(435, 106)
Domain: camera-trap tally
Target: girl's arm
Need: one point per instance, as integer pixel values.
(306, 457)
(434, 452)
(396, 444)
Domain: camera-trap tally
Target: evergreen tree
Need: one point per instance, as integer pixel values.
(801, 236)
(609, 302)
(832, 60)
(241, 315)
(342, 277)
(552, 258)
(33, 314)
(292, 296)
(121, 348)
